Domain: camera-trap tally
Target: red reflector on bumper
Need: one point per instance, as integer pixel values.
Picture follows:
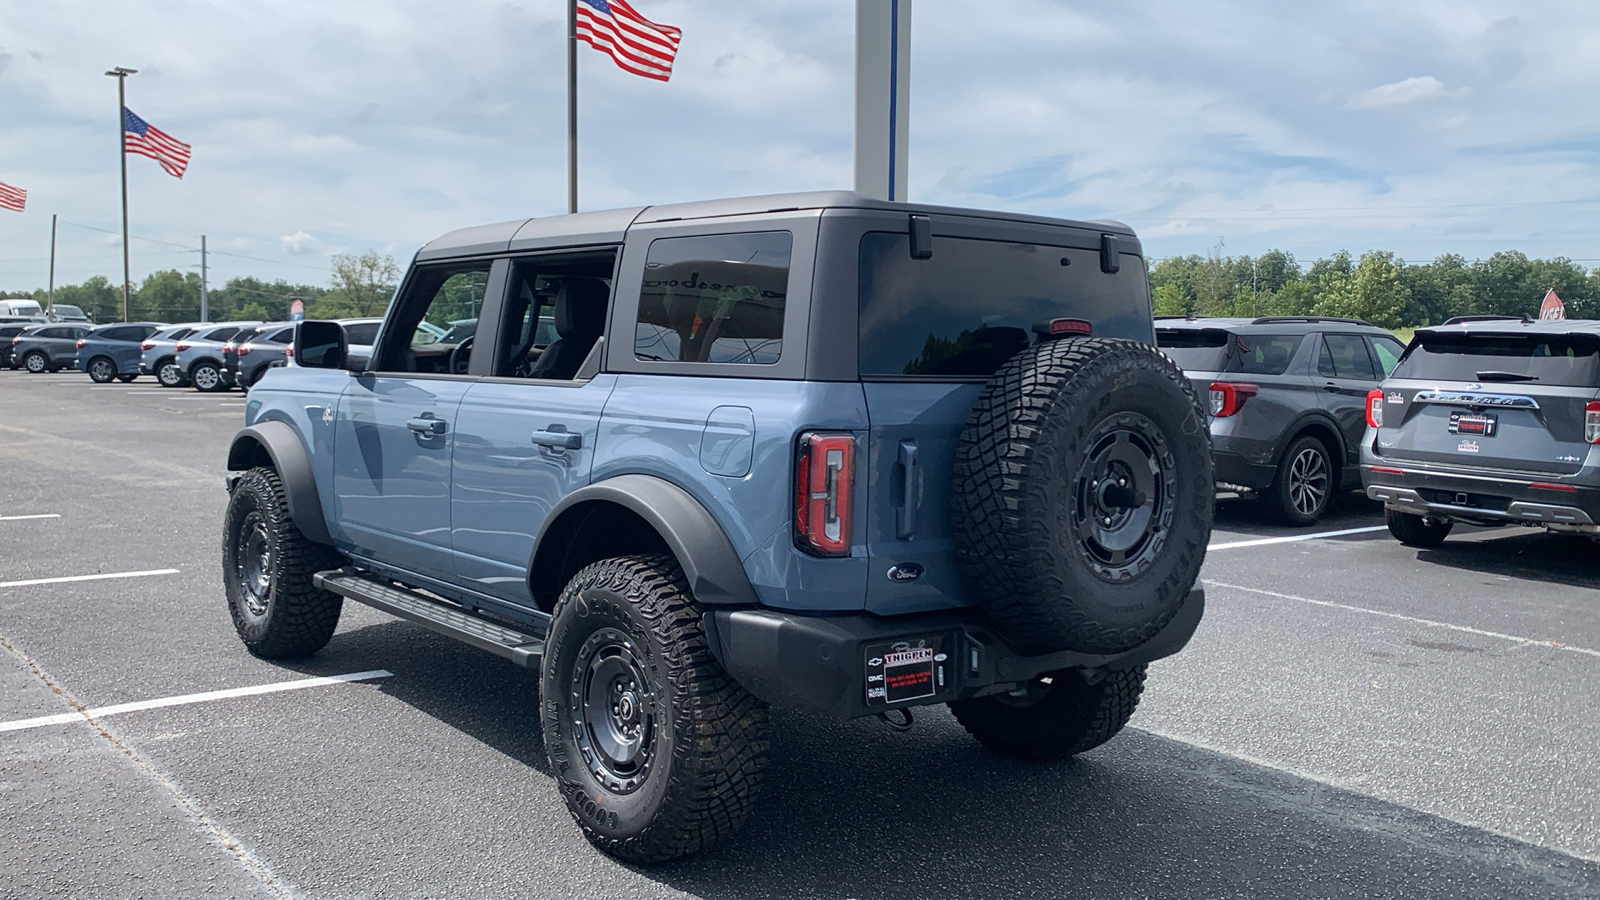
(1547, 486)
(1388, 471)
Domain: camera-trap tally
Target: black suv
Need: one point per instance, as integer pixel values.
(1287, 401)
(1492, 422)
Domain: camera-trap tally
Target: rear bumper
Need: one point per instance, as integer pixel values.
(1484, 500)
(1234, 469)
(826, 663)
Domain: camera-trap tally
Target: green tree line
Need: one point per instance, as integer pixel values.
(1379, 286)
(360, 286)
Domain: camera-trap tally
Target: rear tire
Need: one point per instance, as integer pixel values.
(102, 370)
(267, 566)
(127, 379)
(207, 377)
(1417, 531)
(658, 753)
(1054, 716)
(36, 363)
(1300, 493)
(168, 373)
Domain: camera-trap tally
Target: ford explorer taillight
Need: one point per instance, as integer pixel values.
(1591, 421)
(181, 347)
(824, 479)
(148, 345)
(1375, 408)
(1228, 397)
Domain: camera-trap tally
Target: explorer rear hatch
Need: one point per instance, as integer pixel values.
(1513, 397)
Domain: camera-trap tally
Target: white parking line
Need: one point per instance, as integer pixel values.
(185, 699)
(63, 580)
(1260, 542)
(38, 516)
(1556, 645)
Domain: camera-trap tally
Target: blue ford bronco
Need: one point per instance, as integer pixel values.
(691, 461)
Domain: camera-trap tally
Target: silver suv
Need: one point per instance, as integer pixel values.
(1492, 423)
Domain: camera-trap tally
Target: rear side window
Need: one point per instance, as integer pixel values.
(178, 334)
(282, 336)
(1564, 360)
(1195, 349)
(718, 298)
(362, 332)
(220, 334)
(971, 306)
(1264, 354)
(1345, 356)
(1388, 351)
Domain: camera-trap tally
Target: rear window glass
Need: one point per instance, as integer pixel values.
(1566, 360)
(362, 332)
(1195, 349)
(1264, 354)
(715, 299)
(220, 334)
(971, 306)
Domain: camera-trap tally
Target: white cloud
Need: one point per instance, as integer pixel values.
(300, 243)
(1400, 93)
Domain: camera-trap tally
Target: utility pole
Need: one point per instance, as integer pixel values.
(121, 73)
(883, 97)
(50, 295)
(204, 309)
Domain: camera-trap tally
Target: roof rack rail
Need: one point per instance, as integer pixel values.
(1457, 320)
(1187, 318)
(1287, 320)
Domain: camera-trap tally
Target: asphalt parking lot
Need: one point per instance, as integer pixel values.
(1354, 719)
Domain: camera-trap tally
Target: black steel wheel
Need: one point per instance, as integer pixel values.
(1304, 484)
(102, 370)
(267, 565)
(658, 753)
(1123, 492)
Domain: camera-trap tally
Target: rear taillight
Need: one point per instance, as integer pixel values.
(81, 342)
(1227, 397)
(16, 340)
(289, 351)
(245, 350)
(1591, 421)
(1375, 408)
(824, 479)
(148, 345)
(227, 349)
(181, 347)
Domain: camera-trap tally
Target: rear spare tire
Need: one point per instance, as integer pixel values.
(1082, 495)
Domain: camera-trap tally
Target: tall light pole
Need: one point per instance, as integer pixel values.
(121, 73)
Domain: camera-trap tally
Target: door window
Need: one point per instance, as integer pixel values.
(435, 320)
(1345, 356)
(555, 314)
(718, 298)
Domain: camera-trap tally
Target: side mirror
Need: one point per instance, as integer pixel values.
(320, 345)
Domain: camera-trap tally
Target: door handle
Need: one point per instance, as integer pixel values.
(427, 426)
(557, 437)
(1331, 388)
(910, 490)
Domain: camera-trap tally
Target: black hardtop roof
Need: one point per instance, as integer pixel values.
(610, 226)
(1276, 324)
(1552, 327)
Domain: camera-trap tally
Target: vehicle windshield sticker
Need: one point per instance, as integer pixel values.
(1467, 447)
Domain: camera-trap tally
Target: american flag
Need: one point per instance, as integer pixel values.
(139, 136)
(635, 43)
(12, 198)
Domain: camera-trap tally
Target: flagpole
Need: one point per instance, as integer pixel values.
(121, 75)
(572, 106)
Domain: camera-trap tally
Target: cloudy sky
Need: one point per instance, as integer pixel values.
(1421, 126)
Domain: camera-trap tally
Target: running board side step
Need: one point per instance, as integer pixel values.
(520, 647)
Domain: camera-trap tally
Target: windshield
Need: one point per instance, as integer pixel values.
(1564, 360)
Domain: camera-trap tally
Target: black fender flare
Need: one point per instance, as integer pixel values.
(712, 567)
(283, 447)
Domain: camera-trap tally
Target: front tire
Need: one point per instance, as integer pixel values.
(658, 753)
(1417, 531)
(267, 566)
(1300, 493)
(207, 377)
(102, 370)
(1054, 716)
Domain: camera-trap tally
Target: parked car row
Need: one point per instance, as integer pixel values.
(209, 356)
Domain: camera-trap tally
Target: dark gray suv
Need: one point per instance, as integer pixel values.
(47, 348)
(1489, 422)
(1287, 399)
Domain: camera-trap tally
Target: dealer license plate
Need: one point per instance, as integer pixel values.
(1481, 424)
(905, 670)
